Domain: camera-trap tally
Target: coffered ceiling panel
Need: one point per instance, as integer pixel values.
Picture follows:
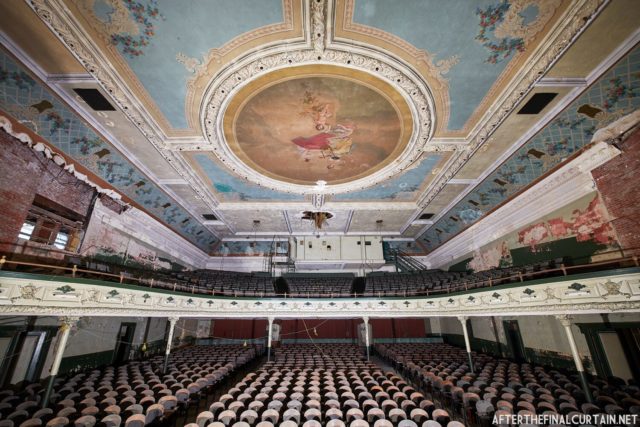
(381, 221)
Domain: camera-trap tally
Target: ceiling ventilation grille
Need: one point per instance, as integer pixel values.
(94, 99)
(537, 103)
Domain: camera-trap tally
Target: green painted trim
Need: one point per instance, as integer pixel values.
(532, 355)
(592, 332)
(552, 358)
(83, 362)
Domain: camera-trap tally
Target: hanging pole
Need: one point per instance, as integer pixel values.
(269, 336)
(172, 325)
(66, 323)
(566, 321)
(467, 343)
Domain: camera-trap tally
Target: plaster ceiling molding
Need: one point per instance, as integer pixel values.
(57, 16)
(571, 25)
(559, 189)
(356, 62)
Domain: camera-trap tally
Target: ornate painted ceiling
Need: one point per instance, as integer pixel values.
(400, 119)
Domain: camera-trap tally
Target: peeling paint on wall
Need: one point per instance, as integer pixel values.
(582, 228)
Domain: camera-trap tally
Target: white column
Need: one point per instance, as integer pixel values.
(65, 329)
(467, 343)
(269, 336)
(566, 321)
(367, 342)
(172, 325)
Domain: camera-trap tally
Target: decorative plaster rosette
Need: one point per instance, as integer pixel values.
(412, 88)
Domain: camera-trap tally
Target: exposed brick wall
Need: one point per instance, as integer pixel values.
(617, 181)
(25, 173)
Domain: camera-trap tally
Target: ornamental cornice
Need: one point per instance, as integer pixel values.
(57, 16)
(605, 294)
(377, 63)
(577, 18)
(569, 183)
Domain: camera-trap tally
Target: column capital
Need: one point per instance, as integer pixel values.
(463, 319)
(173, 319)
(565, 319)
(270, 319)
(68, 322)
(365, 319)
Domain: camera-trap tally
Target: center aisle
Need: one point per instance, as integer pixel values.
(319, 385)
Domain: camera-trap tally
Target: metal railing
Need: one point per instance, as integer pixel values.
(168, 281)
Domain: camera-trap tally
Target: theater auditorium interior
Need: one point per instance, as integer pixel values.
(263, 213)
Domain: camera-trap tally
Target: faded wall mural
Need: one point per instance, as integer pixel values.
(251, 248)
(614, 95)
(104, 242)
(581, 229)
(411, 248)
(35, 107)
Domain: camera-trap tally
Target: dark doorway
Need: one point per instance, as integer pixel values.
(124, 339)
(630, 339)
(514, 340)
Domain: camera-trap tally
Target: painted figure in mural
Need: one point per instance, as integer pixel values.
(332, 141)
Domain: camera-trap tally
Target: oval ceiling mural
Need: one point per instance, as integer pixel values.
(332, 124)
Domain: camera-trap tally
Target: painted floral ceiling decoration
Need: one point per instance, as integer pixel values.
(238, 107)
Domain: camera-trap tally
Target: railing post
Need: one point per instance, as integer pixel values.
(2, 261)
(74, 270)
(121, 277)
(151, 283)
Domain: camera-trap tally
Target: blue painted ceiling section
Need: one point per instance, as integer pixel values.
(400, 188)
(615, 94)
(230, 188)
(190, 27)
(31, 103)
(448, 28)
